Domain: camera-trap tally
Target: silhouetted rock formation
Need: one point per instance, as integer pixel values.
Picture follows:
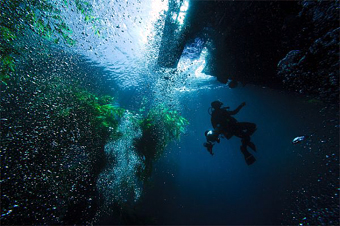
(247, 40)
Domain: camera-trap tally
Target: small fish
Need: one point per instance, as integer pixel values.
(299, 139)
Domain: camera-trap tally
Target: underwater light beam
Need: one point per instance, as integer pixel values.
(157, 8)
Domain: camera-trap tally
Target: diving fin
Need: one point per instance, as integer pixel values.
(250, 159)
(252, 146)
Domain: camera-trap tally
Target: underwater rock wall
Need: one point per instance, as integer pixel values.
(247, 40)
(53, 132)
(314, 67)
(48, 174)
(316, 70)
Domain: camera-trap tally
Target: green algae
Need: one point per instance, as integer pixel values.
(160, 127)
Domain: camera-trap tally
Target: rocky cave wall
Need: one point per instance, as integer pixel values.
(280, 44)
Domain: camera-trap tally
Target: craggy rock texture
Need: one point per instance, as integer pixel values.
(314, 68)
(280, 44)
(315, 71)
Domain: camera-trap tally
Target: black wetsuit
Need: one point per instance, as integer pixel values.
(227, 125)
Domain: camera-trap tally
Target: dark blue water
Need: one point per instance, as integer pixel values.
(190, 186)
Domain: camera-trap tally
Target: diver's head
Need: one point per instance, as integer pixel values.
(216, 104)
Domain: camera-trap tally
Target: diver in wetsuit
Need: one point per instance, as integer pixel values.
(226, 125)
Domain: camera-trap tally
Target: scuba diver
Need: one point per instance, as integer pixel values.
(227, 126)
